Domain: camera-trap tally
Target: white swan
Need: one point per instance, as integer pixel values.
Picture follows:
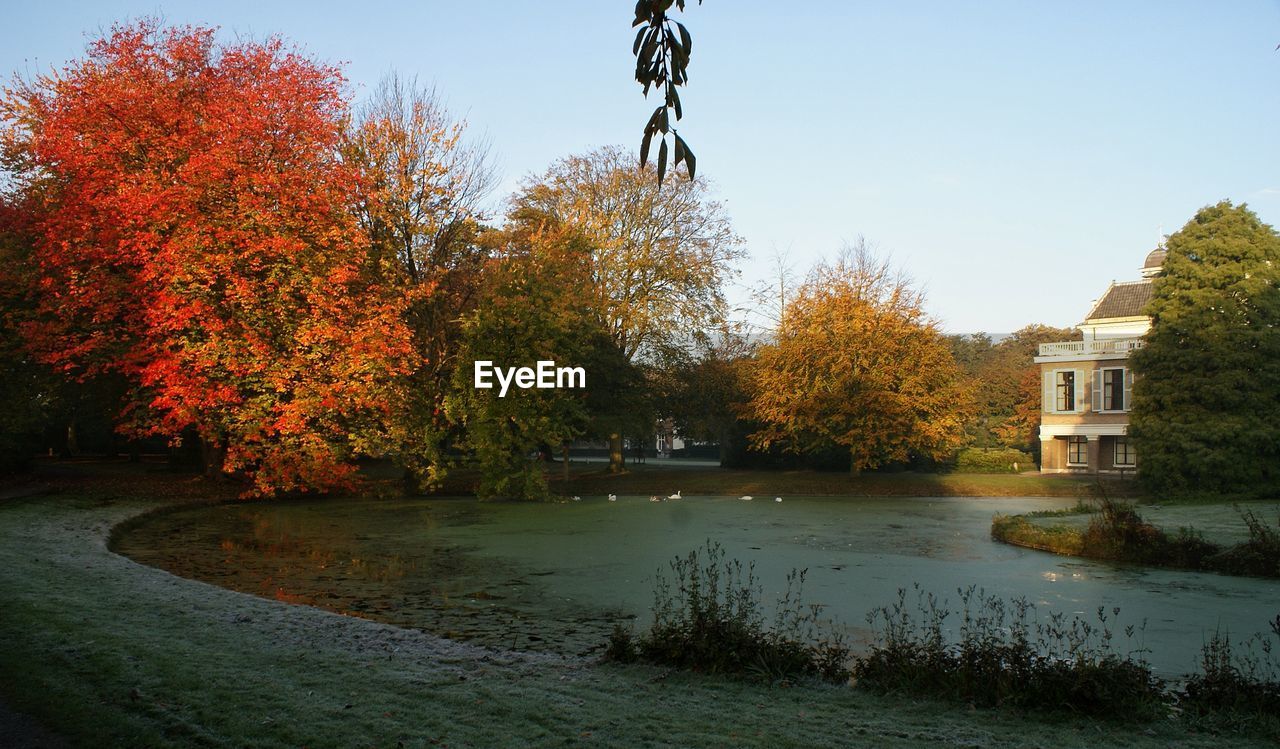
(777, 499)
(654, 498)
(676, 495)
(613, 497)
(576, 498)
(745, 497)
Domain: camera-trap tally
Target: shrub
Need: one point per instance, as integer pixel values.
(1119, 533)
(1258, 555)
(1005, 656)
(1189, 549)
(1238, 688)
(993, 460)
(709, 617)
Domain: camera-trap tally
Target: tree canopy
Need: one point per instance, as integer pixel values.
(193, 233)
(662, 253)
(1206, 410)
(1008, 408)
(527, 312)
(856, 364)
(418, 205)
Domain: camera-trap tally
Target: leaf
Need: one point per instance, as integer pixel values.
(644, 147)
(690, 161)
(662, 160)
(678, 59)
(635, 48)
(686, 40)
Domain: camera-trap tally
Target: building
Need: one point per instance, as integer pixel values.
(1088, 386)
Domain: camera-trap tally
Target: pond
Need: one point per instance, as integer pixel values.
(557, 577)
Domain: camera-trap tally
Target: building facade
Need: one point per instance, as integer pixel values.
(1088, 386)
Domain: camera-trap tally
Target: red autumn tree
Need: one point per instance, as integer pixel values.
(194, 232)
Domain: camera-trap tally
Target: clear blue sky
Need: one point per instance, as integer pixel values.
(1014, 157)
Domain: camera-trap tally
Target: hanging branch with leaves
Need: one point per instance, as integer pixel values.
(662, 48)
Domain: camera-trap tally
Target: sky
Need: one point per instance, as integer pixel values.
(1013, 158)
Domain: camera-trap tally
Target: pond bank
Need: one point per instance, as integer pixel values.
(1228, 538)
(109, 652)
(663, 479)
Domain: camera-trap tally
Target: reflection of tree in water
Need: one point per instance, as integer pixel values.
(300, 557)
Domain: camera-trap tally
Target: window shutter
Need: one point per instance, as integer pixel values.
(1079, 384)
(1128, 389)
(1098, 402)
(1049, 396)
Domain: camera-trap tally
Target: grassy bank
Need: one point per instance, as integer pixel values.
(1117, 532)
(107, 652)
(644, 480)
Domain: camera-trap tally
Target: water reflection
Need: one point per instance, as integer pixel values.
(557, 577)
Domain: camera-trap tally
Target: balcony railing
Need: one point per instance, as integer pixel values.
(1096, 346)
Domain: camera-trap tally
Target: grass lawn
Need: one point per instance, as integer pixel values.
(105, 652)
(733, 482)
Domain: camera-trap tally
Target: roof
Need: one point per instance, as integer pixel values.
(1155, 258)
(1125, 299)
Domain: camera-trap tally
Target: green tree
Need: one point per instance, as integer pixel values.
(1206, 411)
(527, 312)
(702, 387)
(660, 253)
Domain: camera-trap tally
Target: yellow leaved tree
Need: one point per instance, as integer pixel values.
(857, 364)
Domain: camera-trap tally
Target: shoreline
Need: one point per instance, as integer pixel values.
(134, 655)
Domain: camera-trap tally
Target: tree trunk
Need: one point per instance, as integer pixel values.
(564, 459)
(412, 484)
(73, 440)
(213, 455)
(615, 453)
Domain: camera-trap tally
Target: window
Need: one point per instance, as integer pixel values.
(1077, 451)
(1113, 390)
(1124, 455)
(1065, 386)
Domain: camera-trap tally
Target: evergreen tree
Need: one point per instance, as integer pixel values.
(1206, 412)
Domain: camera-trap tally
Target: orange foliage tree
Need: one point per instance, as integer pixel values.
(194, 233)
(856, 364)
(1022, 428)
(420, 206)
